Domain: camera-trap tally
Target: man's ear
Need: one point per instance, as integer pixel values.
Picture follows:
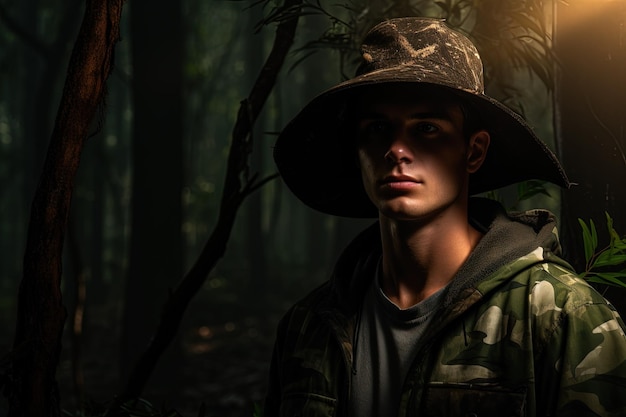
(477, 150)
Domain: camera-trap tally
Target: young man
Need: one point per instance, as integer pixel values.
(447, 306)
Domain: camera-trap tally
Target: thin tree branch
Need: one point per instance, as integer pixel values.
(258, 184)
(234, 193)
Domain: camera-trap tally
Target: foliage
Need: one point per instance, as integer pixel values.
(606, 265)
(525, 191)
(602, 266)
(510, 35)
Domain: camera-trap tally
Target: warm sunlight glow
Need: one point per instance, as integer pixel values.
(578, 10)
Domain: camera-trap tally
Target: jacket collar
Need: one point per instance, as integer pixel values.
(507, 237)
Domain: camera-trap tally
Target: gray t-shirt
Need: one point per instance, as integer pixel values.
(384, 349)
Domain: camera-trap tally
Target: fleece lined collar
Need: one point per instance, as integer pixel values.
(507, 237)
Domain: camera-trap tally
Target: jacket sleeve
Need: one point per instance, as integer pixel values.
(583, 365)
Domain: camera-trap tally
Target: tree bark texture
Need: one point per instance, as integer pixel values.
(31, 98)
(238, 184)
(591, 96)
(41, 314)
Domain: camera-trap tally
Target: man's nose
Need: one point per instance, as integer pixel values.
(399, 150)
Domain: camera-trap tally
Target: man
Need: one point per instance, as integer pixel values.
(447, 306)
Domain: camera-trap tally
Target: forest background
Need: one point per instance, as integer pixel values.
(147, 193)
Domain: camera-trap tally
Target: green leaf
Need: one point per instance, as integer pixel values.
(611, 257)
(542, 72)
(608, 258)
(524, 21)
(612, 278)
(587, 241)
(528, 189)
(615, 239)
(594, 234)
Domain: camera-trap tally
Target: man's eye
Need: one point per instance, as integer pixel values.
(427, 128)
(376, 127)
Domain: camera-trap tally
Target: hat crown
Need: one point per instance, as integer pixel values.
(422, 47)
(315, 152)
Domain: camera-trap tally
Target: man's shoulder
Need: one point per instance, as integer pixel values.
(547, 284)
(313, 301)
(555, 294)
(554, 279)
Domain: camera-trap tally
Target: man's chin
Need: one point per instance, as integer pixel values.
(403, 212)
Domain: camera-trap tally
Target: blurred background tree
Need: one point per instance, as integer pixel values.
(590, 118)
(560, 64)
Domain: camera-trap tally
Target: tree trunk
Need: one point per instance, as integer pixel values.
(156, 239)
(591, 97)
(238, 185)
(40, 312)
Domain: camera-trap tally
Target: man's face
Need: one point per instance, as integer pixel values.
(412, 152)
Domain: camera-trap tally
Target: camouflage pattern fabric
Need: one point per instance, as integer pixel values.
(531, 339)
(544, 344)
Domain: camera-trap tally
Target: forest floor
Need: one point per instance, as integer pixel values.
(221, 363)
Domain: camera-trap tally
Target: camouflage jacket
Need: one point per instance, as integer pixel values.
(516, 335)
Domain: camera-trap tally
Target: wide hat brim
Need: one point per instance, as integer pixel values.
(316, 152)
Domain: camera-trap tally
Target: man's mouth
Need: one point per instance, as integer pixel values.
(399, 182)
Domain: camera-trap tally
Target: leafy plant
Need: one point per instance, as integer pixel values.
(525, 190)
(607, 265)
(510, 34)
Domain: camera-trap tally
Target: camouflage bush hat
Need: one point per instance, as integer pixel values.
(314, 151)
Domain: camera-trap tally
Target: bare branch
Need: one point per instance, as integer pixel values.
(233, 195)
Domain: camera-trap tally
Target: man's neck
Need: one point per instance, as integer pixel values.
(421, 258)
